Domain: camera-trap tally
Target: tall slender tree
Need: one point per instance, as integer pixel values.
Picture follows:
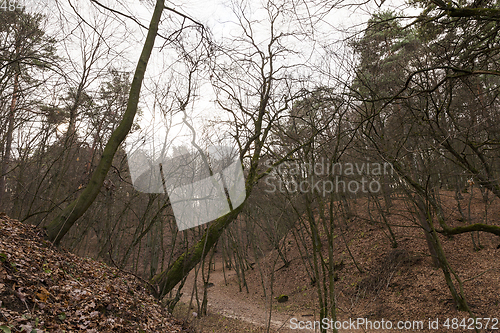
(59, 226)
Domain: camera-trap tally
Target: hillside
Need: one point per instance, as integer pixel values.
(396, 283)
(45, 289)
(400, 283)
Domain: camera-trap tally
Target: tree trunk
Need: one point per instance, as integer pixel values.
(9, 134)
(58, 227)
(424, 223)
(168, 279)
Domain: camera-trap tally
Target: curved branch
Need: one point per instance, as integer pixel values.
(492, 229)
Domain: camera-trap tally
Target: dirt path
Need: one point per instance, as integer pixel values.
(250, 308)
(229, 302)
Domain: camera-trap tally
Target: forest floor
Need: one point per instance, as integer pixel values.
(46, 289)
(228, 307)
(396, 284)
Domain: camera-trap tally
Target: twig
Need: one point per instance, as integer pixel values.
(152, 288)
(472, 278)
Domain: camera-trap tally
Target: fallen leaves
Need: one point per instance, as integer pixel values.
(44, 289)
(43, 294)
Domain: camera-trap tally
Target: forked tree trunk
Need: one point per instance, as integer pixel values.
(58, 227)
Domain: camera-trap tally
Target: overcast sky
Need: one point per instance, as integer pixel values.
(124, 38)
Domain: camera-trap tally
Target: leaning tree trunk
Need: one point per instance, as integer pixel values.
(165, 281)
(58, 227)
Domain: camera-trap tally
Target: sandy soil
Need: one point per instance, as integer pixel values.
(226, 300)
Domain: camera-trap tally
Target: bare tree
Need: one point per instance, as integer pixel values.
(61, 224)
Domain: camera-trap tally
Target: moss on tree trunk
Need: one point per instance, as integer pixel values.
(59, 226)
(168, 279)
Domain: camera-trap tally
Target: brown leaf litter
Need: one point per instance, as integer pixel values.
(46, 289)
